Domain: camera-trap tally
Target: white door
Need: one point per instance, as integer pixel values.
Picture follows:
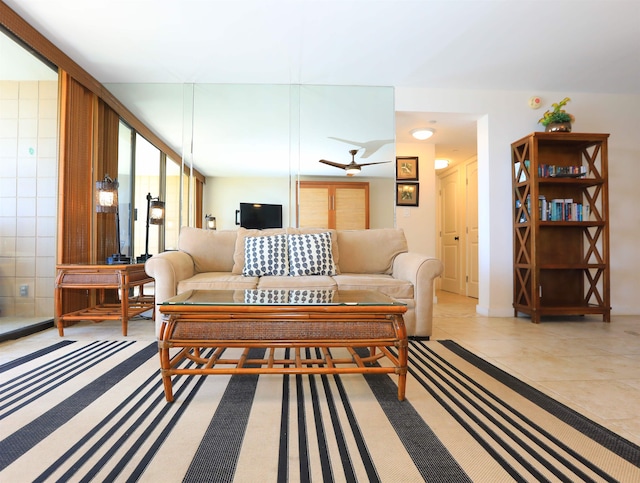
(449, 236)
(471, 200)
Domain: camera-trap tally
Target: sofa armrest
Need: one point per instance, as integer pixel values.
(169, 268)
(420, 270)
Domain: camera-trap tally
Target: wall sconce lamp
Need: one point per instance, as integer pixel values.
(155, 216)
(106, 197)
(210, 222)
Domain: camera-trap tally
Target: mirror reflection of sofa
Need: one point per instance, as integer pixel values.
(376, 259)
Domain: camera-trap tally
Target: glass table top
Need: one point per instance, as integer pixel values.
(281, 297)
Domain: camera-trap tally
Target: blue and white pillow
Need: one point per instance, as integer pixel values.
(310, 254)
(265, 255)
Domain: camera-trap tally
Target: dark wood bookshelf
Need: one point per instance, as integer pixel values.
(561, 267)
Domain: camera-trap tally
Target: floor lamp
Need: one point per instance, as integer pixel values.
(155, 216)
(107, 202)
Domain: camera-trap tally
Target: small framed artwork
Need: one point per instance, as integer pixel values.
(407, 194)
(407, 168)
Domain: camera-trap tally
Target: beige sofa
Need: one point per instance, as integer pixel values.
(364, 259)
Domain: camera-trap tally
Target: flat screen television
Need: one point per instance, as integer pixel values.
(260, 215)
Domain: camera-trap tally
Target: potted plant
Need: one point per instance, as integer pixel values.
(557, 120)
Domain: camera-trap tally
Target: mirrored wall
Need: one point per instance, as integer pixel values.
(255, 143)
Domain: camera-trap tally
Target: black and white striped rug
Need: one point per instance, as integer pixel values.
(95, 411)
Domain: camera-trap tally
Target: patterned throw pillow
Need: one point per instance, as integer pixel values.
(266, 296)
(310, 254)
(309, 297)
(265, 255)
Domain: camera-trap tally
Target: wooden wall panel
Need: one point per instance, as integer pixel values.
(106, 162)
(75, 190)
(198, 208)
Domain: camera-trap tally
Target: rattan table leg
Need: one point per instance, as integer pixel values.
(58, 312)
(402, 370)
(165, 370)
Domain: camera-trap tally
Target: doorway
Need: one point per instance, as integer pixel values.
(458, 220)
(455, 236)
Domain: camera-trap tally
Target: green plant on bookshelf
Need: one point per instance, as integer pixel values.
(557, 119)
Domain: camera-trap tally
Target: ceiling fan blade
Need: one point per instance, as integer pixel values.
(369, 164)
(336, 165)
(369, 147)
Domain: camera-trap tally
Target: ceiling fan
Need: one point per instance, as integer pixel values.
(353, 167)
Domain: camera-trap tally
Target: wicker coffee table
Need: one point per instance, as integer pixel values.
(275, 319)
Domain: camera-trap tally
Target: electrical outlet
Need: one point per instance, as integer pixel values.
(24, 290)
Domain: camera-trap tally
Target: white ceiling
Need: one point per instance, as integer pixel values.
(534, 45)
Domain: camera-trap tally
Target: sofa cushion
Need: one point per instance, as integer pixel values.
(308, 282)
(211, 250)
(398, 289)
(265, 255)
(370, 251)
(310, 254)
(217, 281)
(242, 233)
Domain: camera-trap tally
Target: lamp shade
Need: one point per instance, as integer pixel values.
(422, 133)
(107, 195)
(210, 222)
(156, 212)
(352, 170)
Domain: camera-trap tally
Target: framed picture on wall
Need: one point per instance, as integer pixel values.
(407, 168)
(407, 194)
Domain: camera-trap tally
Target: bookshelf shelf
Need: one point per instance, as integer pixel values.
(561, 241)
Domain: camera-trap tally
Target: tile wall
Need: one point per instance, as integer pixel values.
(28, 197)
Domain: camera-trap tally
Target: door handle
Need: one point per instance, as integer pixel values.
(456, 238)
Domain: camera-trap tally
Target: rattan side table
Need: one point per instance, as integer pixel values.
(123, 277)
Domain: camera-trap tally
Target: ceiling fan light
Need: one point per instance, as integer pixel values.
(352, 170)
(422, 133)
(441, 163)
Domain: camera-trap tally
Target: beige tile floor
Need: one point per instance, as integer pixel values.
(589, 365)
(8, 324)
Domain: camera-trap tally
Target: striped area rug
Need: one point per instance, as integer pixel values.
(95, 411)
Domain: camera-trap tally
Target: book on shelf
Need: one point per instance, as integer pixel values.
(543, 208)
(553, 171)
(561, 209)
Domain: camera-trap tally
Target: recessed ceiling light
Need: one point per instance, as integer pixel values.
(441, 163)
(422, 133)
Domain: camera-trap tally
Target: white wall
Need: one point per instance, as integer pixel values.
(506, 118)
(419, 223)
(222, 196)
